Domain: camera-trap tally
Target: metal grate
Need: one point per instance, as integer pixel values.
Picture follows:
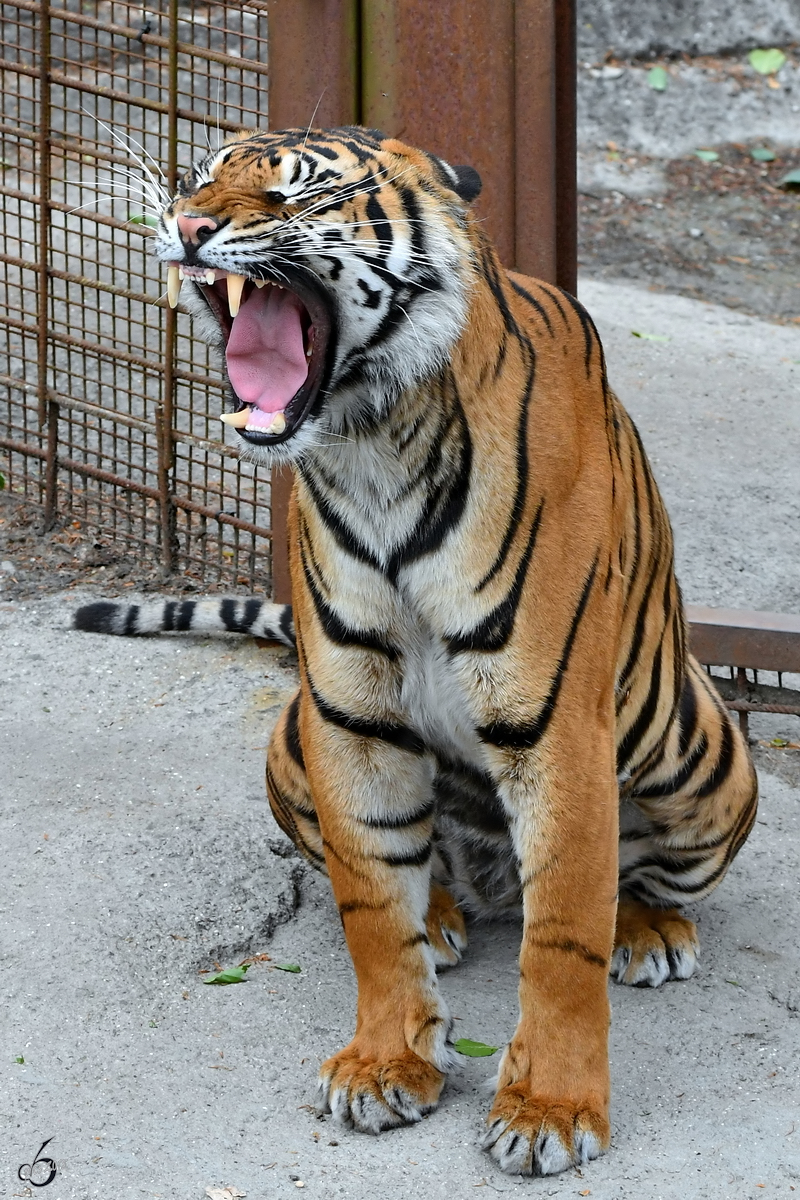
(112, 406)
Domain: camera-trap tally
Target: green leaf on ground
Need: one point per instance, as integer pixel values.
(293, 967)
(143, 219)
(766, 62)
(232, 975)
(473, 1049)
(19, 1059)
(2, 481)
(762, 154)
(650, 337)
(779, 742)
(658, 79)
(733, 982)
(707, 155)
(791, 180)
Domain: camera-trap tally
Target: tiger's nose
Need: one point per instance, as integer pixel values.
(196, 229)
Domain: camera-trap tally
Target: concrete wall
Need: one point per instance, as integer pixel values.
(646, 28)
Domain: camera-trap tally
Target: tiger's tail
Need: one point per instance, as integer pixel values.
(248, 615)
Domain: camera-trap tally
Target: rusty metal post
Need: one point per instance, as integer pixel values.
(47, 408)
(314, 51)
(492, 86)
(165, 415)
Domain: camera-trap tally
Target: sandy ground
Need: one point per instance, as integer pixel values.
(137, 850)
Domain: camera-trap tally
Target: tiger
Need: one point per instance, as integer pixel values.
(497, 709)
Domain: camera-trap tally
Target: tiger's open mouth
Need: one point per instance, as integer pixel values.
(276, 347)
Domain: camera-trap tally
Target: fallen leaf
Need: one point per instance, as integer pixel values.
(658, 79)
(766, 62)
(224, 1193)
(763, 154)
(472, 1049)
(232, 975)
(733, 982)
(708, 156)
(293, 967)
(587, 1192)
(650, 337)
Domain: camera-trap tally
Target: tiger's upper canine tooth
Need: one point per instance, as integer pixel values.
(235, 286)
(260, 283)
(237, 419)
(173, 286)
(210, 276)
(278, 424)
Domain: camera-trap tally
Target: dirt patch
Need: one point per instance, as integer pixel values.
(722, 231)
(35, 562)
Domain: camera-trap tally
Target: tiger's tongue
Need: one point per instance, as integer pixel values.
(265, 355)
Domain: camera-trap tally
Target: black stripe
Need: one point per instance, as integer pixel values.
(542, 311)
(589, 331)
(309, 815)
(495, 629)
(418, 939)
(293, 743)
(185, 614)
(520, 494)
(335, 629)
(687, 715)
(337, 527)
(524, 737)
(386, 731)
(130, 620)
(168, 620)
(412, 858)
(400, 821)
(252, 609)
(285, 625)
(679, 779)
(469, 797)
(352, 906)
(723, 765)
(570, 947)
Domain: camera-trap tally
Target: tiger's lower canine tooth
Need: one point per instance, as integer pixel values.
(235, 286)
(173, 286)
(238, 419)
(278, 424)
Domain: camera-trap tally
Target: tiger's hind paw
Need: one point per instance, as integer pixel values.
(537, 1135)
(653, 945)
(371, 1096)
(445, 927)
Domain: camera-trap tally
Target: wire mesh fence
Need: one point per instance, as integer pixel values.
(111, 408)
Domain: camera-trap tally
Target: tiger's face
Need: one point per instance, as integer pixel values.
(332, 269)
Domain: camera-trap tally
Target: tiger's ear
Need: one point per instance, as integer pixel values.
(464, 181)
(469, 183)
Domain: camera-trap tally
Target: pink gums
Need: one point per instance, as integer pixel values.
(265, 356)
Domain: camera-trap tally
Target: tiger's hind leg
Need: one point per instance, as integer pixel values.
(681, 825)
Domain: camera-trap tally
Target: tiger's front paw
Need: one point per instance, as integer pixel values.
(531, 1134)
(372, 1096)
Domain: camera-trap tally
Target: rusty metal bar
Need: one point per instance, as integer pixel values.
(48, 409)
(165, 418)
(731, 637)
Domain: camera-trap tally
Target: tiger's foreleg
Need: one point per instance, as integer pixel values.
(373, 823)
(551, 1110)
(290, 799)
